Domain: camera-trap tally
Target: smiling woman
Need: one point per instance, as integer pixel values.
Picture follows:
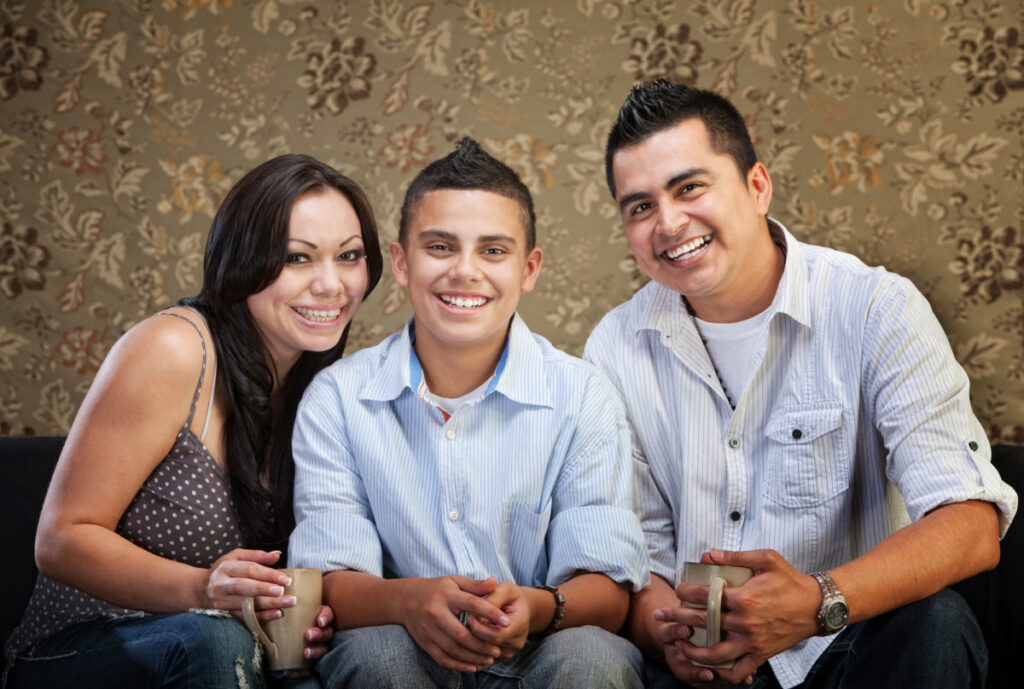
(173, 492)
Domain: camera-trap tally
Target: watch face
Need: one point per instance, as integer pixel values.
(836, 615)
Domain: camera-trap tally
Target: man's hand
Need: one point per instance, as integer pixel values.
(430, 613)
(771, 612)
(510, 639)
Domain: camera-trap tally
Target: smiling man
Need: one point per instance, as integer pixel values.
(465, 486)
(800, 414)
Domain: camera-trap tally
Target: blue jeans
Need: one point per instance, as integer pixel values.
(933, 643)
(184, 651)
(387, 657)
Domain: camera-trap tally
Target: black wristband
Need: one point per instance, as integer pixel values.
(556, 620)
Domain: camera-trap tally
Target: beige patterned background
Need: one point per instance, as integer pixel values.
(894, 130)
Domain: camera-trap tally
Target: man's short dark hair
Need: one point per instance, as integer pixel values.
(657, 105)
(469, 167)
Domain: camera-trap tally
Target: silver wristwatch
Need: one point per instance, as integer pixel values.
(834, 611)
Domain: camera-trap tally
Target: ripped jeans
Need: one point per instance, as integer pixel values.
(184, 651)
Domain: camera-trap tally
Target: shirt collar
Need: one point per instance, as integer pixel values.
(519, 374)
(666, 313)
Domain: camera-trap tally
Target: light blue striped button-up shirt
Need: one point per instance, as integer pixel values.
(857, 413)
(532, 484)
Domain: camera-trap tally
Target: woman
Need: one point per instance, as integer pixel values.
(173, 492)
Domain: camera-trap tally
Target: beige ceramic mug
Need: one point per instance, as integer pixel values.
(284, 638)
(716, 578)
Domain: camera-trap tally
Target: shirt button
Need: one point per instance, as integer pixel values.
(797, 434)
(734, 443)
(450, 433)
(453, 516)
(735, 516)
(973, 445)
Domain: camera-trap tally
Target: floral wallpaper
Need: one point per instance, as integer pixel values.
(893, 130)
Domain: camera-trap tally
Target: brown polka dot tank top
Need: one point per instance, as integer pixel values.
(182, 512)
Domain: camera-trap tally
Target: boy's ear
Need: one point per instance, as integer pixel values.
(399, 265)
(532, 269)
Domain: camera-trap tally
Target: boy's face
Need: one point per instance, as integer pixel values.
(465, 263)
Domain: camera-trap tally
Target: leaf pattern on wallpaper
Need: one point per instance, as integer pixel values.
(892, 130)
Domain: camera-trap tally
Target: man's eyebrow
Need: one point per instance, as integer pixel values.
(675, 180)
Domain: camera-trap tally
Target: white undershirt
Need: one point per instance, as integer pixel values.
(732, 347)
(451, 404)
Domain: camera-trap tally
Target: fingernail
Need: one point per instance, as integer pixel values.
(707, 675)
(309, 635)
(307, 653)
(717, 555)
(276, 591)
(504, 621)
(276, 614)
(284, 579)
(659, 615)
(321, 622)
(288, 601)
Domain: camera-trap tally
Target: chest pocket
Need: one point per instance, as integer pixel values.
(808, 459)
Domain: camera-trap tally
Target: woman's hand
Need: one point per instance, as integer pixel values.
(318, 638)
(242, 573)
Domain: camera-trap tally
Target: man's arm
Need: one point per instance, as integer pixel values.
(778, 606)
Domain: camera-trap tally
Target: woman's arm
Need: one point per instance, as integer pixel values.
(127, 423)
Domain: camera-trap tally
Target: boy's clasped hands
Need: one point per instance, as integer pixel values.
(466, 624)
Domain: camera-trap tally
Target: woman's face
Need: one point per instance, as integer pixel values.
(321, 284)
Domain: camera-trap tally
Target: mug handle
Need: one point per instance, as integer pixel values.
(714, 628)
(249, 614)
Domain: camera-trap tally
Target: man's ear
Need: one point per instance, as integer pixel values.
(760, 185)
(399, 266)
(532, 269)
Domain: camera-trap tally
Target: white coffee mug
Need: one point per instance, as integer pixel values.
(717, 578)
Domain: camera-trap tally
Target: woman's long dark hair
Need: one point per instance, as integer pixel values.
(245, 253)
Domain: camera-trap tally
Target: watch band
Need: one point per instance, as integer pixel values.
(556, 620)
(834, 610)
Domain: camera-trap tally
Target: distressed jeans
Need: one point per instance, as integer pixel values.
(386, 657)
(934, 643)
(183, 651)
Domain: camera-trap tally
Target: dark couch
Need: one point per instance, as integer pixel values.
(997, 597)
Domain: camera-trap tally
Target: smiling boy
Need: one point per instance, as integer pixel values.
(465, 486)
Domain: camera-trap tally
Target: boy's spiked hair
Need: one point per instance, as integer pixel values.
(469, 167)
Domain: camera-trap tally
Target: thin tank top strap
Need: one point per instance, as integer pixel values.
(202, 371)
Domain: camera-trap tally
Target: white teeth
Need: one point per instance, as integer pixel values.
(323, 315)
(690, 247)
(464, 302)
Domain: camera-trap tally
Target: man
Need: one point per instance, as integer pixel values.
(794, 408)
(465, 486)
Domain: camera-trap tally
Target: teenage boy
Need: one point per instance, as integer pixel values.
(782, 394)
(465, 486)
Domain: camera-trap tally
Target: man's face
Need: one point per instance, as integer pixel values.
(694, 223)
(465, 263)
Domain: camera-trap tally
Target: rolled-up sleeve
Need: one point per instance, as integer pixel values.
(594, 527)
(334, 526)
(938, 451)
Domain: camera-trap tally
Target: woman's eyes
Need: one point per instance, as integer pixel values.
(352, 255)
(349, 256)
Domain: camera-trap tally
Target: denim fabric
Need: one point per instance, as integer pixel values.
(387, 657)
(181, 651)
(934, 643)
